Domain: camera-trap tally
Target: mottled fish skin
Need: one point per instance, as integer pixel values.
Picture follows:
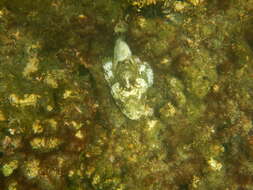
(121, 51)
(129, 78)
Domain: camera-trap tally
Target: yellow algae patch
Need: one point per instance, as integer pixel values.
(2, 116)
(195, 181)
(31, 66)
(2, 13)
(168, 110)
(49, 108)
(82, 17)
(143, 3)
(32, 168)
(76, 125)
(51, 81)
(214, 164)
(13, 185)
(79, 135)
(28, 100)
(180, 6)
(67, 94)
(37, 127)
(196, 2)
(8, 168)
(45, 144)
(52, 123)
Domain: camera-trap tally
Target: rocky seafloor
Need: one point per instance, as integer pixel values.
(61, 128)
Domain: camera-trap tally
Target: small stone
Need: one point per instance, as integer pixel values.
(79, 134)
(49, 108)
(82, 17)
(166, 61)
(67, 94)
(216, 88)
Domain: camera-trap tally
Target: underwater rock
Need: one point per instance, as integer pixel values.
(129, 79)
